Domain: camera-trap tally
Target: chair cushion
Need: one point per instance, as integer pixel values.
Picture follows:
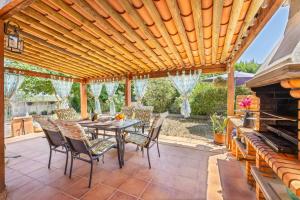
(101, 146)
(138, 139)
(68, 114)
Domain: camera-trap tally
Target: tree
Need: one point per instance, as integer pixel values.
(249, 67)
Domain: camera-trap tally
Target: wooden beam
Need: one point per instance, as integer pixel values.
(2, 133)
(197, 14)
(263, 18)
(104, 36)
(253, 9)
(234, 17)
(230, 91)
(83, 100)
(121, 21)
(14, 7)
(127, 92)
(218, 68)
(175, 12)
(152, 10)
(39, 74)
(140, 22)
(217, 10)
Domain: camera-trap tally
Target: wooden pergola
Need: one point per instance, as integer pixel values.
(119, 39)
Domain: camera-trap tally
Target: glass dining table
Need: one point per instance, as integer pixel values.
(117, 127)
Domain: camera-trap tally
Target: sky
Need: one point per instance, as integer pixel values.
(273, 31)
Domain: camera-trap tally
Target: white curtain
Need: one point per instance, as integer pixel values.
(62, 89)
(111, 89)
(96, 91)
(11, 83)
(140, 87)
(185, 83)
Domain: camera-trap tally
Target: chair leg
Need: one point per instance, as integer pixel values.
(67, 159)
(142, 148)
(137, 148)
(50, 156)
(148, 158)
(158, 148)
(91, 174)
(71, 167)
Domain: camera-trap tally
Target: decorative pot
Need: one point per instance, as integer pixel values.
(248, 121)
(219, 138)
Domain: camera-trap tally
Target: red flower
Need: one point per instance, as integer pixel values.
(246, 103)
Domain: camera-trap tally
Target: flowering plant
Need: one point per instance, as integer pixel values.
(246, 103)
(120, 116)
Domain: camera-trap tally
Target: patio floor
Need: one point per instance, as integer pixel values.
(181, 173)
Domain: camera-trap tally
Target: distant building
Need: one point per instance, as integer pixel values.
(37, 104)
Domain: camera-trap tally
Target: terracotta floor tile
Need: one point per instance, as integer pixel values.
(101, 175)
(61, 196)
(145, 174)
(45, 193)
(133, 186)
(64, 182)
(44, 171)
(116, 179)
(23, 191)
(157, 192)
(17, 183)
(100, 192)
(122, 196)
(79, 188)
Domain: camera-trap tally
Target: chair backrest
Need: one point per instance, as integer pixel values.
(128, 111)
(53, 134)
(156, 125)
(143, 113)
(75, 136)
(68, 114)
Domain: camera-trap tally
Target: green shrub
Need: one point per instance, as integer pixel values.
(160, 94)
(207, 99)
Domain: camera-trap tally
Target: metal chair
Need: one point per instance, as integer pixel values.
(79, 144)
(143, 140)
(55, 139)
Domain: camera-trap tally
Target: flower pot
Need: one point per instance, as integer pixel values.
(219, 138)
(248, 122)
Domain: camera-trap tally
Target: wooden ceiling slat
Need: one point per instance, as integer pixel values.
(234, 17)
(75, 61)
(217, 8)
(140, 42)
(254, 7)
(84, 5)
(11, 69)
(197, 14)
(163, 30)
(107, 38)
(172, 4)
(97, 46)
(70, 65)
(19, 6)
(133, 13)
(97, 59)
(42, 63)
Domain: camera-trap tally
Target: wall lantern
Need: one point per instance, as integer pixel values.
(13, 42)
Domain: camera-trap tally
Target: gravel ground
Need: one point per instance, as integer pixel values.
(188, 128)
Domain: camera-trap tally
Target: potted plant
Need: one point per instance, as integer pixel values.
(219, 124)
(246, 104)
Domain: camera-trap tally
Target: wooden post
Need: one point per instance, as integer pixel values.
(230, 90)
(83, 100)
(128, 92)
(2, 154)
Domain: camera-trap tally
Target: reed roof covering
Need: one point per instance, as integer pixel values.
(93, 39)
